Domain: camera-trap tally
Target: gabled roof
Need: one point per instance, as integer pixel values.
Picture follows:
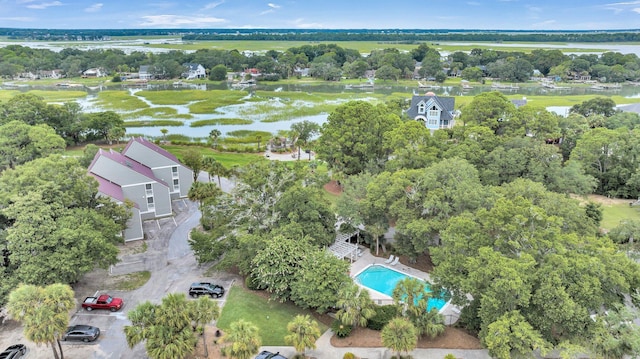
(445, 103)
(191, 66)
(126, 162)
(152, 146)
(110, 189)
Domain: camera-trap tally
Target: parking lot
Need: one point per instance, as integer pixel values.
(176, 270)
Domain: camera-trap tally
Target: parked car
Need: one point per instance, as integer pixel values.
(205, 288)
(86, 333)
(104, 301)
(14, 352)
(269, 355)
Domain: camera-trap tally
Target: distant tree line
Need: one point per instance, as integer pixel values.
(421, 36)
(392, 35)
(331, 62)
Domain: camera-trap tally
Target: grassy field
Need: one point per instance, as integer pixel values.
(613, 214)
(271, 317)
(227, 159)
(361, 46)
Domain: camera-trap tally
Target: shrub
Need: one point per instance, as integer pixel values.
(348, 355)
(250, 283)
(384, 314)
(342, 330)
(449, 356)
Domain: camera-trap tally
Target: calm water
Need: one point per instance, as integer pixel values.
(234, 111)
(384, 280)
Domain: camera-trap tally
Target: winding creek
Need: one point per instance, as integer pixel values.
(246, 110)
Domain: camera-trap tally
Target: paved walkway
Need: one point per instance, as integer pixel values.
(325, 350)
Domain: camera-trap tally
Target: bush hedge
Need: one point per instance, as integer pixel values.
(384, 314)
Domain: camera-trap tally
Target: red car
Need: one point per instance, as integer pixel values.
(104, 301)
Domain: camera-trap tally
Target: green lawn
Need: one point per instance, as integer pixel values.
(228, 159)
(271, 317)
(614, 213)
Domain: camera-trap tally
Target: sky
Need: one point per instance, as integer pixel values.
(323, 14)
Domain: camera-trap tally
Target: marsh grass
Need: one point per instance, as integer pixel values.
(58, 96)
(153, 123)
(5, 95)
(157, 112)
(218, 98)
(119, 101)
(361, 46)
(246, 137)
(174, 97)
(221, 121)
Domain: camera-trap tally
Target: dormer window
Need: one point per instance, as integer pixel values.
(421, 107)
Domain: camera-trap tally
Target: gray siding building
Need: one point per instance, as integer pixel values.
(145, 175)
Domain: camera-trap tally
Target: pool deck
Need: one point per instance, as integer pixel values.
(450, 311)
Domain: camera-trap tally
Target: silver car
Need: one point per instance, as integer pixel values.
(86, 333)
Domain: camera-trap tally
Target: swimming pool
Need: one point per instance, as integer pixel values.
(384, 279)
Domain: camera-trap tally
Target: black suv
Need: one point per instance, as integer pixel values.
(269, 355)
(14, 352)
(204, 288)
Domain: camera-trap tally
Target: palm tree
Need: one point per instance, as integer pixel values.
(200, 191)
(212, 166)
(407, 292)
(214, 135)
(303, 333)
(377, 230)
(44, 313)
(429, 323)
(203, 311)
(258, 139)
(243, 338)
(166, 328)
(399, 335)
(305, 130)
(164, 132)
(356, 306)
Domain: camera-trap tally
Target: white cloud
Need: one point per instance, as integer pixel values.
(44, 5)
(94, 8)
(272, 8)
(636, 9)
(18, 18)
(637, 2)
(177, 21)
(212, 5)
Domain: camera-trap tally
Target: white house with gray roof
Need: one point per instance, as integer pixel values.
(144, 174)
(435, 112)
(194, 71)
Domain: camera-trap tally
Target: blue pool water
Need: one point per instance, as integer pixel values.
(383, 279)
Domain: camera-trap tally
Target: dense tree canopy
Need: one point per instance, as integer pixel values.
(350, 139)
(526, 260)
(56, 227)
